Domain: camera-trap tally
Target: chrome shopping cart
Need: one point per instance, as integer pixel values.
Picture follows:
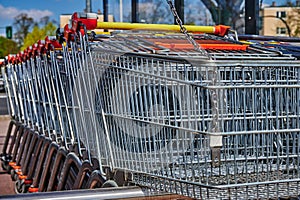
(225, 127)
(219, 123)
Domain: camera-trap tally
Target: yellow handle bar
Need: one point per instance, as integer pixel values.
(220, 30)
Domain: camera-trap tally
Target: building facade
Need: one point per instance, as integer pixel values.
(278, 21)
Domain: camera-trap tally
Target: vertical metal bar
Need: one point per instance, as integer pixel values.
(112, 164)
(79, 120)
(251, 16)
(88, 6)
(7, 77)
(134, 11)
(91, 72)
(18, 79)
(105, 10)
(47, 96)
(179, 6)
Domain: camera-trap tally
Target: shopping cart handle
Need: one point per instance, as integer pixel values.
(11, 58)
(41, 47)
(88, 19)
(19, 57)
(90, 22)
(52, 43)
(35, 50)
(220, 30)
(28, 52)
(68, 33)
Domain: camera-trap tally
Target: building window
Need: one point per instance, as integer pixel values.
(280, 30)
(281, 14)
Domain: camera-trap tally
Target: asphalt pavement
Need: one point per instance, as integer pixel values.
(3, 104)
(6, 184)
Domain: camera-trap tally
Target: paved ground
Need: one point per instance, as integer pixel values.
(6, 185)
(3, 104)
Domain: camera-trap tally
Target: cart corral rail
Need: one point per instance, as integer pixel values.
(146, 108)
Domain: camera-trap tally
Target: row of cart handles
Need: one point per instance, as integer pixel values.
(82, 22)
(41, 47)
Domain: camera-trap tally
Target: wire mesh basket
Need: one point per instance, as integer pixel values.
(209, 127)
(223, 124)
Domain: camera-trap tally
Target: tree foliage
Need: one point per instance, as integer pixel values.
(38, 34)
(22, 24)
(293, 19)
(158, 11)
(155, 11)
(7, 46)
(203, 12)
(226, 12)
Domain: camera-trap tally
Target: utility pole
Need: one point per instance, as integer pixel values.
(105, 10)
(134, 11)
(179, 6)
(251, 16)
(88, 6)
(121, 10)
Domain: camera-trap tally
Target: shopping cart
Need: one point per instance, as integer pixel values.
(206, 129)
(42, 150)
(160, 114)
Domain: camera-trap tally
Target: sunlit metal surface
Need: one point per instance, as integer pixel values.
(212, 127)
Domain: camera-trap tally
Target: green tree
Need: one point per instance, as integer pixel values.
(38, 34)
(22, 24)
(155, 12)
(226, 12)
(292, 20)
(7, 46)
(158, 12)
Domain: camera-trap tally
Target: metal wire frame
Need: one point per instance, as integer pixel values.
(203, 124)
(195, 127)
(42, 93)
(149, 43)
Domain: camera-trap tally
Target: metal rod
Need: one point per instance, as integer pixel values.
(179, 5)
(134, 11)
(104, 193)
(105, 10)
(162, 27)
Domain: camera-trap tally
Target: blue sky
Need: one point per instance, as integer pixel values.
(39, 8)
(53, 8)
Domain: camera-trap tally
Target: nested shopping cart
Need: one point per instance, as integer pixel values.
(220, 122)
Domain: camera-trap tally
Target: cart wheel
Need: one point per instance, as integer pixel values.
(16, 176)
(13, 175)
(25, 188)
(19, 187)
(95, 180)
(4, 166)
(109, 183)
